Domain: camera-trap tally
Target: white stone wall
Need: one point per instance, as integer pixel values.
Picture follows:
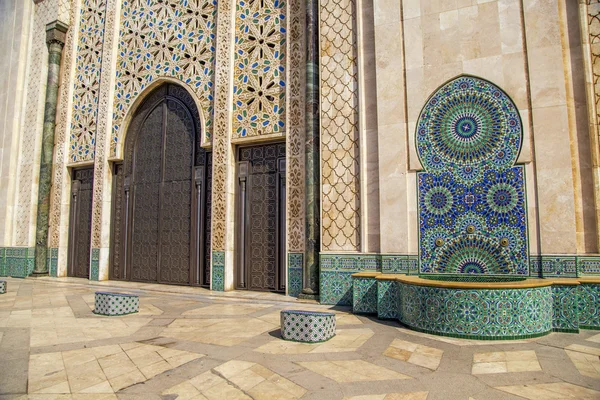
(15, 20)
(532, 50)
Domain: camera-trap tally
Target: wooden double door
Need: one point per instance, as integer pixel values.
(161, 223)
(80, 223)
(261, 218)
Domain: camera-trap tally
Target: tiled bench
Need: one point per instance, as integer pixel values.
(116, 303)
(307, 326)
(2, 287)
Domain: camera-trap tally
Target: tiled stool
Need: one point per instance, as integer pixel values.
(307, 326)
(116, 303)
(2, 287)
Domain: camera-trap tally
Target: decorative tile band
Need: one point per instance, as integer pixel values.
(294, 281)
(53, 262)
(95, 265)
(17, 262)
(2, 287)
(218, 271)
(477, 313)
(2, 261)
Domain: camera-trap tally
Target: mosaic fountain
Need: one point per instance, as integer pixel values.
(473, 275)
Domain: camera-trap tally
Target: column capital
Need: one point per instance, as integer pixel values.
(56, 32)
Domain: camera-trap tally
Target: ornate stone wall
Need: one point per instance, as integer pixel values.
(165, 39)
(30, 145)
(86, 93)
(259, 68)
(339, 126)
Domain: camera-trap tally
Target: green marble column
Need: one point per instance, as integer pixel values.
(55, 39)
(313, 213)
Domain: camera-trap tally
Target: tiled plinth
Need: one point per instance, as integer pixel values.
(307, 326)
(116, 303)
(364, 293)
(477, 313)
(486, 309)
(2, 287)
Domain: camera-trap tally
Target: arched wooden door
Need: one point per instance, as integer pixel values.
(160, 218)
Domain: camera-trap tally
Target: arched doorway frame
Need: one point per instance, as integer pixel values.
(124, 175)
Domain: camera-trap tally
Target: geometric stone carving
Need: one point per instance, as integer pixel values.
(339, 126)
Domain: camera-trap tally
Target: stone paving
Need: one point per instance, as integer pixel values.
(190, 343)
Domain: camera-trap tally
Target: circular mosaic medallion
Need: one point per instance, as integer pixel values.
(472, 254)
(468, 122)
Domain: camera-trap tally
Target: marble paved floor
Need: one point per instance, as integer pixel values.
(190, 343)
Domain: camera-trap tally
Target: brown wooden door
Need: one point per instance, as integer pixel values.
(80, 226)
(160, 220)
(261, 217)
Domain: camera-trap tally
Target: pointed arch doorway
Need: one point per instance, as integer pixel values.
(161, 202)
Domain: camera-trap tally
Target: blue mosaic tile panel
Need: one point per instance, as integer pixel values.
(388, 299)
(588, 265)
(95, 265)
(559, 266)
(218, 271)
(295, 264)
(2, 287)
(364, 295)
(477, 313)
(19, 261)
(307, 326)
(53, 262)
(115, 303)
(565, 310)
(472, 211)
(413, 265)
(589, 306)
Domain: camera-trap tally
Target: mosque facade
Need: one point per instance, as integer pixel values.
(285, 145)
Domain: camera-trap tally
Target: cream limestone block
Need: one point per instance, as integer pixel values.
(392, 396)
(448, 20)
(439, 47)
(387, 11)
(511, 30)
(497, 367)
(392, 180)
(413, 38)
(352, 371)
(541, 23)
(480, 34)
(413, 155)
(546, 77)
(411, 9)
(584, 349)
(561, 390)
(486, 68)
(437, 6)
(227, 309)
(47, 371)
